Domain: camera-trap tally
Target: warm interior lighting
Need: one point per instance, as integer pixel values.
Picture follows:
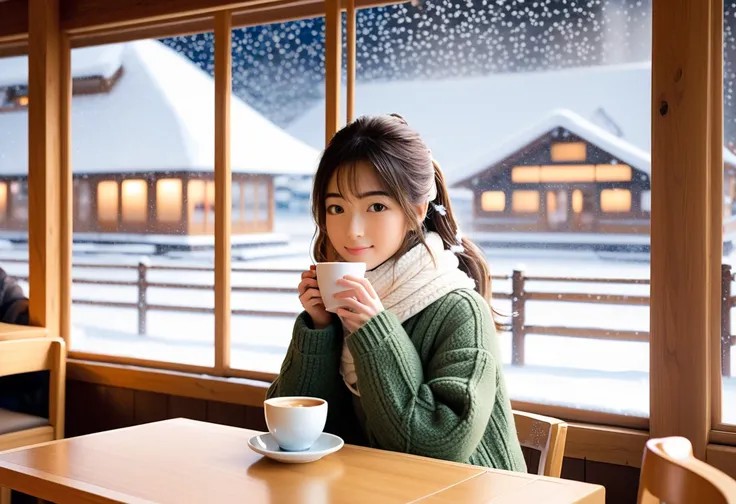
(135, 200)
(612, 173)
(551, 202)
(22, 101)
(3, 200)
(493, 201)
(525, 174)
(107, 200)
(616, 200)
(568, 151)
(567, 173)
(577, 201)
(525, 201)
(168, 200)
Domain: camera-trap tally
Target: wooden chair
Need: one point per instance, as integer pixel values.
(670, 473)
(546, 435)
(24, 356)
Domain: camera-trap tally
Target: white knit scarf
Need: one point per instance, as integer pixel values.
(410, 284)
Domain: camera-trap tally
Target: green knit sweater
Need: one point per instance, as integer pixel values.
(433, 386)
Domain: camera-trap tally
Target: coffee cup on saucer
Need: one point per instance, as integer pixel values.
(295, 423)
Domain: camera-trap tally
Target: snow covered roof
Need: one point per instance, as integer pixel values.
(464, 119)
(159, 116)
(101, 61)
(573, 123)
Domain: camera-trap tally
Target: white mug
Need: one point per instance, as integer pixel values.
(295, 422)
(327, 275)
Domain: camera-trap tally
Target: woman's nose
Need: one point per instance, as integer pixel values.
(357, 228)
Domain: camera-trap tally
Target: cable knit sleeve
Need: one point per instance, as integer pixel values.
(311, 367)
(437, 409)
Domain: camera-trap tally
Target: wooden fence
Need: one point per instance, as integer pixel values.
(519, 296)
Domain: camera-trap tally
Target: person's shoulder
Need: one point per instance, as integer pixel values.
(462, 302)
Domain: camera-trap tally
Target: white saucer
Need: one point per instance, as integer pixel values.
(267, 446)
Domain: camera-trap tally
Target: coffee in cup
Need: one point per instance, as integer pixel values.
(328, 274)
(295, 422)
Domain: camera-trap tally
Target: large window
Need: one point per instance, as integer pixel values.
(528, 99)
(278, 75)
(143, 261)
(14, 169)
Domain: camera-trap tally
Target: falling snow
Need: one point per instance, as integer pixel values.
(279, 68)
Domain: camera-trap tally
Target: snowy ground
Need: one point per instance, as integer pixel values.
(591, 374)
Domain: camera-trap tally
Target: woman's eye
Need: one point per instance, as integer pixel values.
(334, 209)
(377, 207)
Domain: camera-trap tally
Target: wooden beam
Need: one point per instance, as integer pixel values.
(223, 189)
(722, 458)
(13, 21)
(715, 170)
(66, 191)
(44, 130)
(78, 16)
(606, 444)
(681, 273)
(14, 26)
(351, 60)
(333, 66)
(230, 390)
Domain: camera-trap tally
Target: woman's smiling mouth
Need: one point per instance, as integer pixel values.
(357, 250)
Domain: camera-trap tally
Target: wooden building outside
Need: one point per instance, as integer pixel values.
(143, 148)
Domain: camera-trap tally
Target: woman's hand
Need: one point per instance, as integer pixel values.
(311, 299)
(361, 300)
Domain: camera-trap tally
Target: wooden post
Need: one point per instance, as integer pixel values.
(142, 297)
(682, 274)
(517, 322)
(333, 65)
(44, 130)
(351, 43)
(223, 189)
(725, 347)
(66, 192)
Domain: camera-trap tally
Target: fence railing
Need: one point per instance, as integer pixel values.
(519, 296)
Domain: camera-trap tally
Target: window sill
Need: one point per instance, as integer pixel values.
(600, 443)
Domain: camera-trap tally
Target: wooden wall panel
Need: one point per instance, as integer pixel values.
(186, 407)
(93, 408)
(622, 483)
(150, 407)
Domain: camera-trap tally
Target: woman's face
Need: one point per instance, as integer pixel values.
(368, 226)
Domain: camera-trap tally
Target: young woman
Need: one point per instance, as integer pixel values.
(413, 364)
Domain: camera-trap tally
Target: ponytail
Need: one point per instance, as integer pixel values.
(441, 220)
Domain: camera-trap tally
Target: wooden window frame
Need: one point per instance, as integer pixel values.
(687, 110)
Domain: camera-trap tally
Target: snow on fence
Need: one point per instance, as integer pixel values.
(518, 296)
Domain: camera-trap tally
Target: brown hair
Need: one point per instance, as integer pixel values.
(407, 171)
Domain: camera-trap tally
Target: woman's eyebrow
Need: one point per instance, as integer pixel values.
(361, 195)
(373, 193)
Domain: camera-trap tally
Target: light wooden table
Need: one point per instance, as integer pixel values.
(182, 461)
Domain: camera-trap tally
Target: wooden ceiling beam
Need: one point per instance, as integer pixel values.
(158, 21)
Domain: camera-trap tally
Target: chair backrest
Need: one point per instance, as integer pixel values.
(670, 473)
(27, 355)
(545, 434)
